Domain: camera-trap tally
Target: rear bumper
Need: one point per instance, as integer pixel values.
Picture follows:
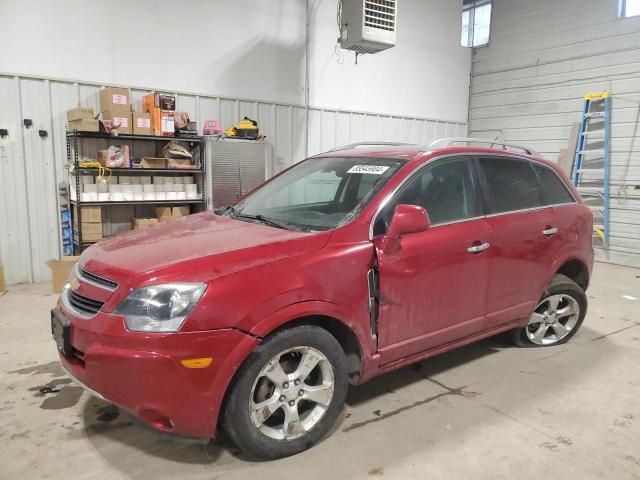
(142, 373)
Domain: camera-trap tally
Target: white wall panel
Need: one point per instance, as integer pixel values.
(40, 176)
(31, 166)
(527, 87)
(15, 248)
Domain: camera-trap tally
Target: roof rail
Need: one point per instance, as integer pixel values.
(349, 146)
(447, 142)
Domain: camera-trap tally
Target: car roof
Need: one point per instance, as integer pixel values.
(409, 152)
(404, 152)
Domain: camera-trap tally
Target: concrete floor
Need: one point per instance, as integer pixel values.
(485, 411)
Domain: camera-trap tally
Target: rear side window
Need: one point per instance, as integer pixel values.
(554, 191)
(512, 184)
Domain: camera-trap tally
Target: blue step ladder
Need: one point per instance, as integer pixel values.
(591, 173)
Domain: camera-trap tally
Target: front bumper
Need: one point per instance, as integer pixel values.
(142, 373)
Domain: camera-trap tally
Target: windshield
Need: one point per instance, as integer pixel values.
(319, 193)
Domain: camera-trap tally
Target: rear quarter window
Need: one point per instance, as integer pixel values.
(554, 191)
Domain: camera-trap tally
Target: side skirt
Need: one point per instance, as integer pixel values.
(447, 347)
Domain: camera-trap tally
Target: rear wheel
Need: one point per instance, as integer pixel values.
(288, 394)
(556, 318)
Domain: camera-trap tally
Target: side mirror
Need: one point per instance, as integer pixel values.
(408, 219)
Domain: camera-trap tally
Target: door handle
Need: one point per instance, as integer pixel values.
(550, 231)
(478, 248)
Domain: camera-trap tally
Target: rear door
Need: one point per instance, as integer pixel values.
(519, 252)
(566, 223)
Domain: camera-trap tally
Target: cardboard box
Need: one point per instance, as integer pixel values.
(162, 123)
(163, 213)
(181, 120)
(178, 162)
(111, 97)
(142, 123)
(83, 125)
(60, 270)
(153, 162)
(180, 211)
(91, 232)
(89, 214)
(139, 223)
(167, 126)
(80, 113)
(157, 100)
(120, 119)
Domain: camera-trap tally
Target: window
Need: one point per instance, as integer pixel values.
(476, 22)
(512, 184)
(444, 190)
(554, 191)
(319, 193)
(629, 8)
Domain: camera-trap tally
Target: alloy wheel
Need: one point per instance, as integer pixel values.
(553, 319)
(292, 393)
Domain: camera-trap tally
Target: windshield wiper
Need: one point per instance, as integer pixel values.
(262, 219)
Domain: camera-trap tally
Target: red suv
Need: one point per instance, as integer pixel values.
(347, 265)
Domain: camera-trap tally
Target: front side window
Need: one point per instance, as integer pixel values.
(476, 23)
(444, 190)
(511, 184)
(554, 191)
(319, 193)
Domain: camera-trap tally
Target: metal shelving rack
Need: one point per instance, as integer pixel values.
(73, 143)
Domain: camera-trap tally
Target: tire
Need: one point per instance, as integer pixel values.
(267, 389)
(547, 330)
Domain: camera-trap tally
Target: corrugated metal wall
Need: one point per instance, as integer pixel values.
(527, 87)
(31, 166)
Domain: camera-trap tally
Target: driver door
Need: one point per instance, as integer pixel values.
(433, 288)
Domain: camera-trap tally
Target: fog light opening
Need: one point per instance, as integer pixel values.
(157, 420)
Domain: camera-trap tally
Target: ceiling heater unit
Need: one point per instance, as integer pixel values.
(367, 26)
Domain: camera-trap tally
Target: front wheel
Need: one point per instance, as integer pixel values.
(556, 318)
(288, 394)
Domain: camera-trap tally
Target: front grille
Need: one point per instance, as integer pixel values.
(84, 305)
(96, 279)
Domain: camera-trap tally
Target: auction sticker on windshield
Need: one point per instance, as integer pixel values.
(370, 169)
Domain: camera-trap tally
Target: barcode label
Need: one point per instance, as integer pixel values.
(370, 169)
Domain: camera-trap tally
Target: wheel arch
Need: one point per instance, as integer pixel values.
(576, 270)
(345, 336)
(343, 333)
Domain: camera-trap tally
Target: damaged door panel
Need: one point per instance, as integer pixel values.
(433, 289)
(373, 283)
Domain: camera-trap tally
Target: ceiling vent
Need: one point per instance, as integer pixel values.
(367, 26)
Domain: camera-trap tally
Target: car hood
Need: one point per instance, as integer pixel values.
(197, 247)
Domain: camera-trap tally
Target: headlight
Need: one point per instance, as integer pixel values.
(160, 308)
